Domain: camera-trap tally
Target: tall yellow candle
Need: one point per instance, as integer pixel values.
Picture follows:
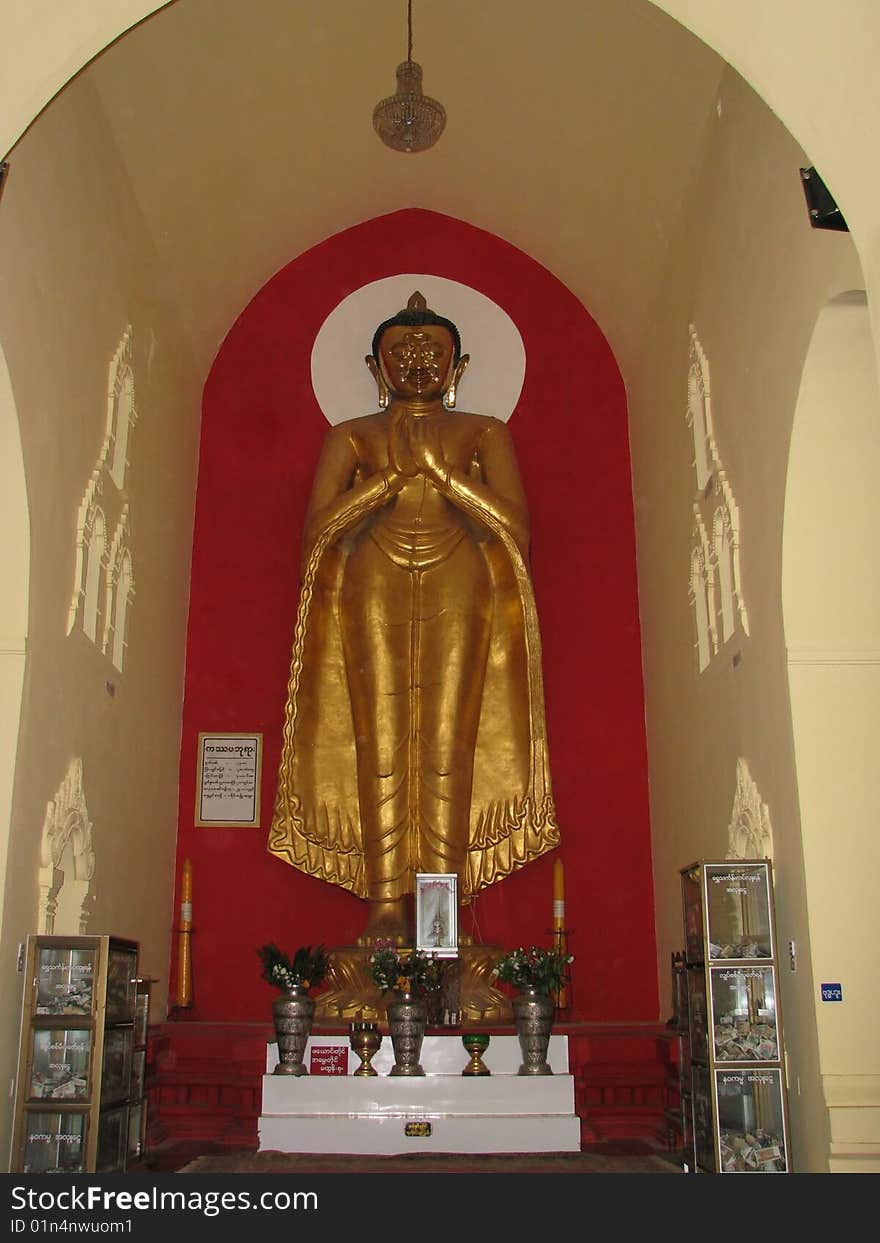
(186, 892)
(184, 957)
(558, 895)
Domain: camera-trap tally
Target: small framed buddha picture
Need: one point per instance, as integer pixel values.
(437, 914)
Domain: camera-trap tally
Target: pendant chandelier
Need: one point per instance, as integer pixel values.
(409, 120)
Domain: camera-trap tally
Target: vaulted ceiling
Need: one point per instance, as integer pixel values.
(574, 132)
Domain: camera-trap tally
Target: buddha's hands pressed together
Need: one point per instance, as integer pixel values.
(427, 450)
(399, 453)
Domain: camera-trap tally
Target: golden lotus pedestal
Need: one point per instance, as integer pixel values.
(353, 995)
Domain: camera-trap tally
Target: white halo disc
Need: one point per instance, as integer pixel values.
(492, 383)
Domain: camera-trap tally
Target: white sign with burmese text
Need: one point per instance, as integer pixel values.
(228, 780)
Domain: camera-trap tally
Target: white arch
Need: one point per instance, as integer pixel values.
(14, 575)
(773, 46)
(831, 611)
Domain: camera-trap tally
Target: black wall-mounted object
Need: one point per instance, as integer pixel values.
(824, 212)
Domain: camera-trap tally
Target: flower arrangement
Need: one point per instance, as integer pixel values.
(410, 971)
(307, 968)
(540, 969)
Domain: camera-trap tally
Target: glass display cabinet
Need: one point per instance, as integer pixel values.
(679, 1112)
(137, 1108)
(76, 1054)
(738, 1093)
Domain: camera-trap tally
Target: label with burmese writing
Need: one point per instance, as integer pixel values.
(328, 1059)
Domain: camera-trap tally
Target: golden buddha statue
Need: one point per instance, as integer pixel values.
(414, 736)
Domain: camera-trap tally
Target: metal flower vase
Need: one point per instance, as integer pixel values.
(407, 1019)
(533, 1015)
(292, 1013)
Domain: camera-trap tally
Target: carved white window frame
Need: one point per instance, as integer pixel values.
(84, 526)
(750, 833)
(121, 411)
(95, 544)
(722, 557)
(120, 592)
(103, 575)
(714, 567)
(732, 530)
(66, 823)
(699, 409)
(702, 593)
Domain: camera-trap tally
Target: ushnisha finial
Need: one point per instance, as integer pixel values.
(417, 302)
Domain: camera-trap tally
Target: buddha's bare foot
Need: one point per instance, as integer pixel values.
(386, 922)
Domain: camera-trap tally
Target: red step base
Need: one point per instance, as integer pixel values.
(204, 1081)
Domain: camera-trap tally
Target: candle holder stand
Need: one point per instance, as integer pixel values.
(563, 995)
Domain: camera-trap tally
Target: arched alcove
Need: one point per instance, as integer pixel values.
(831, 608)
(262, 430)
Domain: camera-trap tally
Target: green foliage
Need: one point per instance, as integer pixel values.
(410, 972)
(307, 968)
(543, 970)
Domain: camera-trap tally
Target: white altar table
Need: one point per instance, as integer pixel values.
(501, 1112)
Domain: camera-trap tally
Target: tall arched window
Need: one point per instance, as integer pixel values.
(96, 576)
(698, 409)
(722, 554)
(123, 591)
(700, 605)
(96, 549)
(122, 416)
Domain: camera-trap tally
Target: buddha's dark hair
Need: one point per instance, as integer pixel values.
(417, 317)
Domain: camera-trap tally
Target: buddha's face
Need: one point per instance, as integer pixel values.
(417, 361)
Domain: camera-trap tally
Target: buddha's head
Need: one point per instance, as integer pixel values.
(417, 353)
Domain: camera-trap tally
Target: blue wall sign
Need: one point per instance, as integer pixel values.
(831, 992)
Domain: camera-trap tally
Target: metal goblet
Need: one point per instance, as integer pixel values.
(365, 1038)
(476, 1043)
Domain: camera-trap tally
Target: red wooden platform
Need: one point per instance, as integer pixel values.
(204, 1080)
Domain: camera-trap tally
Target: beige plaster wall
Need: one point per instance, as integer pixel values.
(813, 65)
(832, 622)
(50, 42)
(748, 271)
(78, 266)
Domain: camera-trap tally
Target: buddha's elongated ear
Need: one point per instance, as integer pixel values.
(460, 369)
(376, 373)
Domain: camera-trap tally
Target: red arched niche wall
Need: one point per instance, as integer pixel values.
(261, 434)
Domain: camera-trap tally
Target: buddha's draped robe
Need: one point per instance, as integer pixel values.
(414, 735)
